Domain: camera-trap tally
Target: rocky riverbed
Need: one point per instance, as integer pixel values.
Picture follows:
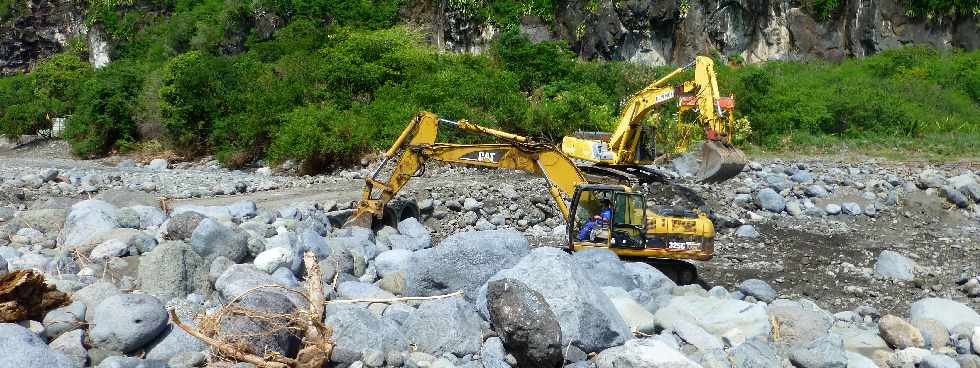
(819, 263)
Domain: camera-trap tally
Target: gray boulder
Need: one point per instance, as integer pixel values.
(948, 312)
(717, 316)
(697, 336)
(356, 330)
(649, 278)
(87, 220)
(130, 362)
(265, 335)
(173, 341)
(635, 315)
(394, 260)
(892, 265)
(147, 217)
(211, 239)
(528, 327)
(747, 231)
(64, 319)
(71, 345)
(240, 278)
(826, 351)
(934, 333)
(46, 220)
(440, 326)
(816, 190)
(646, 352)
(127, 322)
(361, 290)
(412, 235)
(21, 348)
(756, 353)
(172, 270)
(586, 316)
(779, 182)
(463, 261)
(955, 196)
(758, 289)
(800, 321)
(769, 200)
(182, 225)
(898, 333)
(930, 178)
(94, 294)
(833, 209)
(938, 361)
(851, 208)
(158, 164)
(604, 268)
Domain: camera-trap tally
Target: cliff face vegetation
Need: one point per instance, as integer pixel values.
(323, 81)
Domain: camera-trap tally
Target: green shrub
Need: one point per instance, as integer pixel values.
(103, 120)
(193, 94)
(321, 136)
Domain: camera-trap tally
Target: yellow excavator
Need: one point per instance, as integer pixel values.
(633, 144)
(597, 215)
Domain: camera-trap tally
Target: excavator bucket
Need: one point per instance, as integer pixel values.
(720, 162)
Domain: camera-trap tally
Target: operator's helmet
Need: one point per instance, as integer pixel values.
(597, 218)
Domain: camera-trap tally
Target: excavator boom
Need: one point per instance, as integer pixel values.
(628, 145)
(633, 231)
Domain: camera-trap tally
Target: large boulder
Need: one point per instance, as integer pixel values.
(604, 268)
(48, 220)
(356, 330)
(94, 294)
(756, 353)
(769, 200)
(646, 353)
(181, 225)
(635, 315)
(758, 289)
(64, 319)
(172, 270)
(448, 325)
(718, 316)
(895, 266)
(211, 239)
(240, 278)
(87, 220)
(21, 348)
(948, 312)
(143, 217)
(898, 333)
(587, 317)
(395, 260)
(126, 198)
(826, 351)
(649, 278)
(173, 341)
(463, 261)
(361, 290)
(528, 327)
(265, 335)
(800, 321)
(127, 322)
(71, 345)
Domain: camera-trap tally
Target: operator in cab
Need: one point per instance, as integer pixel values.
(589, 229)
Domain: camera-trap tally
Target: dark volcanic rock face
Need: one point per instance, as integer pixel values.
(33, 30)
(669, 32)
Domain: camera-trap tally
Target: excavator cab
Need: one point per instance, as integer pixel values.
(607, 216)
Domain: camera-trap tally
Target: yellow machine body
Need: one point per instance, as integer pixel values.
(628, 146)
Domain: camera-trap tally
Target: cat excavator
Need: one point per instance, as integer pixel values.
(633, 144)
(628, 228)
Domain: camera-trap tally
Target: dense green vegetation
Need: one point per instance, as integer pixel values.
(338, 78)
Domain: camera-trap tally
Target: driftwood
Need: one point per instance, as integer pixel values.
(317, 345)
(24, 295)
(227, 349)
(395, 300)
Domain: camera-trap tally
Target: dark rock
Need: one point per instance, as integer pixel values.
(525, 322)
(211, 239)
(266, 335)
(182, 225)
(172, 270)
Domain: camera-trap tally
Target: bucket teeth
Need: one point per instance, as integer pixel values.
(720, 162)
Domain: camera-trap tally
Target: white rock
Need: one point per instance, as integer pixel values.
(651, 353)
(108, 249)
(158, 164)
(270, 260)
(264, 171)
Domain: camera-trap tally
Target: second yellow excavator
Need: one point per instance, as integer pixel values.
(632, 144)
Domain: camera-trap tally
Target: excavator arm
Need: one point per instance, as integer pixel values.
(720, 161)
(417, 145)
